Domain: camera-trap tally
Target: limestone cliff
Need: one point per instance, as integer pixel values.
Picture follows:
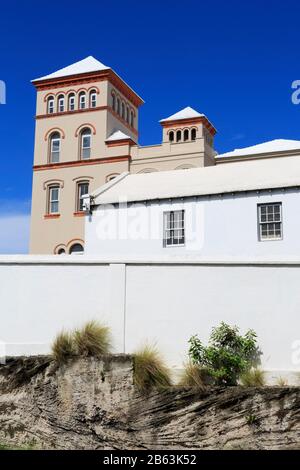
(93, 404)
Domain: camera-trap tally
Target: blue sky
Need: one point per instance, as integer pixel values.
(234, 61)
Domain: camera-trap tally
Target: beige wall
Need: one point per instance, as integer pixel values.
(49, 233)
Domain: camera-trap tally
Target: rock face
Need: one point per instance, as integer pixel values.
(93, 404)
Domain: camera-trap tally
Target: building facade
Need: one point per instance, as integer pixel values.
(237, 210)
(87, 134)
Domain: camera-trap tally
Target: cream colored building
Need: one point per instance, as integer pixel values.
(86, 134)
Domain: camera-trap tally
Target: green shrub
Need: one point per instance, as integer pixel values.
(150, 370)
(227, 355)
(195, 376)
(93, 339)
(63, 347)
(253, 378)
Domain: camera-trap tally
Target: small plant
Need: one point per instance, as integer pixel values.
(150, 370)
(93, 339)
(227, 355)
(63, 347)
(252, 420)
(281, 382)
(253, 377)
(194, 376)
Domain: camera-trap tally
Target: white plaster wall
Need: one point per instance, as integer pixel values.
(155, 300)
(215, 226)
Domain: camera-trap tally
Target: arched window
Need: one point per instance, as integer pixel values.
(61, 103)
(178, 136)
(127, 114)
(111, 177)
(113, 101)
(118, 106)
(54, 147)
(171, 136)
(123, 111)
(71, 104)
(50, 105)
(61, 251)
(85, 143)
(193, 134)
(131, 119)
(82, 100)
(77, 248)
(93, 99)
(81, 190)
(186, 135)
(53, 199)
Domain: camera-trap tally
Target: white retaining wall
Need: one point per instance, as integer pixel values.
(160, 301)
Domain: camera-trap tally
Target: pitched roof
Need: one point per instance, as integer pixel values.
(277, 145)
(118, 135)
(186, 113)
(89, 64)
(250, 175)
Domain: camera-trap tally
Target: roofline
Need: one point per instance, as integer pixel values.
(108, 74)
(192, 196)
(256, 156)
(109, 184)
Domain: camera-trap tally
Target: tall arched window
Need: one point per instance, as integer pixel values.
(127, 114)
(118, 106)
(71, 104)
(61, 103)
(123, 111)
(113, 101)
(186, 135)
(50, 105)
(131, 119)
(171, 136)
(82, 100)
(93, 99)
(178, 136)
(193, 134)
(85, 143)
(54, 147)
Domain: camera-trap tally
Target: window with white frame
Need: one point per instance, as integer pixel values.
(53, 200)
(71, 102)
(86, 137)
(50, 107)
(174, 228)
(54, 148)
(93, 99)
(61, 104)
(270, 221)
(82, 100)
(82, 190)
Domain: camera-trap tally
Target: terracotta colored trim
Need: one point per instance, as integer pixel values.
(89, 77)
(51, 216)
(74, 163)
(64, 113)
(125, 123)
(83, 178)
(54, 129)
(79, 214)
(82, 126)
(120, 142)
(53, 182)
(182, 122)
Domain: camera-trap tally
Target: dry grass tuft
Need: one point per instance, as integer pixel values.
(93, 339)
(253, 378)
(281, 382)
(195, 376)
(63, 347)
(150, 370)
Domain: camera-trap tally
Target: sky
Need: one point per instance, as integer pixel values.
(233, 61)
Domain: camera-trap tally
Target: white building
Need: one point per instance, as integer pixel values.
(237, 209)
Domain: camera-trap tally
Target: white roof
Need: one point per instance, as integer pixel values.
(186, 113)
(89, 64)
(277, 145)
(263, 174)
(118, 135)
